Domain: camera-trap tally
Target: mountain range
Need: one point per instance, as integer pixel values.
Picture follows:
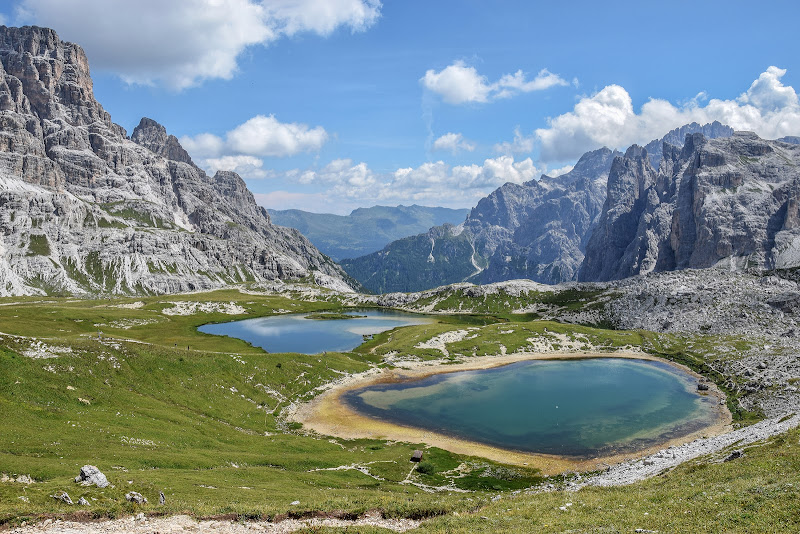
(702, 196)
(86, 209)
(364, 230)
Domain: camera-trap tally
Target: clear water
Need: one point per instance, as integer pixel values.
(295, 333)
(585, 407)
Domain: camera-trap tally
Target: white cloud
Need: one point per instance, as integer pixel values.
(3, 20)
(341, 173)
(322, 16)
(247, 166)
(457, 84)
(552, 173)
(453, 142)
(520, 144)
(509, 84)
(608, 118)
(460, 84)
(259, 137)
(265, 136)
(430, 183)
(768, 93)
(180, 43)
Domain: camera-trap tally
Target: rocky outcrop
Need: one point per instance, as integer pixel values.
(153, 136)
(731, 202)
(676, 137)
(91, 476)
(84, 209)
(538, 230)
(535, 230)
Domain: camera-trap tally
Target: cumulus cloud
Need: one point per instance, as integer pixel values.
(607, 118)
(259, 137)
(247, 166)
(322, 16)
(180, 43)
(520, 145)
(432, 182)
(460, 84)
(453, 142)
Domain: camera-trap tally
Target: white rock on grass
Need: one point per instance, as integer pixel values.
(91, 476)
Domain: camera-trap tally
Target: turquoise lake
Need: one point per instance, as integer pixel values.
(295, 333)
(579, 408)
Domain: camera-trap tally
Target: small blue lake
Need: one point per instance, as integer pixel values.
(296, 333)
(580, 408)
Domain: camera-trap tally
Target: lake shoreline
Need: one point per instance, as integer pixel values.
(329, 414)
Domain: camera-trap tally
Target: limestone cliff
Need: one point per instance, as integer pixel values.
(84, 209)
(729, 202)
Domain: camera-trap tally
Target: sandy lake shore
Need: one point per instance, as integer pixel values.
(329, 415)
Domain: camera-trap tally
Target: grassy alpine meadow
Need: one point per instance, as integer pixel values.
(131, 386)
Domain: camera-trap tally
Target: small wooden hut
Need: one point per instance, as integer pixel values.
(417, 456)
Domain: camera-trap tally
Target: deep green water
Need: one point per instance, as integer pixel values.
(295, 333)
(585, 407)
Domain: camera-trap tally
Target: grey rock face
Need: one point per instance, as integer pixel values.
(536, 230)
(63, 497)
(83, 502)
(84, 209)
(730, 202)
(135, 497)
(91, 476)
(154, 137)
(677, 136)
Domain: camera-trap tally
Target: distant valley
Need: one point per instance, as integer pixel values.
(365, 230)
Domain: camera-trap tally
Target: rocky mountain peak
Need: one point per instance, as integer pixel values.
(84, 209)
(677, 138)
(53, 76)
(153, 136)
(729, 202)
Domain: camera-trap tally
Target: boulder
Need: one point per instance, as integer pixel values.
(738, 453)
(135, 497)
(63, 497)
(91, 476)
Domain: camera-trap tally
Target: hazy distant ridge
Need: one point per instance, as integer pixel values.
(365, 230)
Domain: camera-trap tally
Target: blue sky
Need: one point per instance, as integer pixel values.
(327, 105)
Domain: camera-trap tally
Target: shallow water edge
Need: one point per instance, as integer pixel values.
(329, 414)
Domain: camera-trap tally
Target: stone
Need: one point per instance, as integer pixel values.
(135, 497)
(702, 387)
(83, 502)
(63, 497)
(91, 476)
(738, 453)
